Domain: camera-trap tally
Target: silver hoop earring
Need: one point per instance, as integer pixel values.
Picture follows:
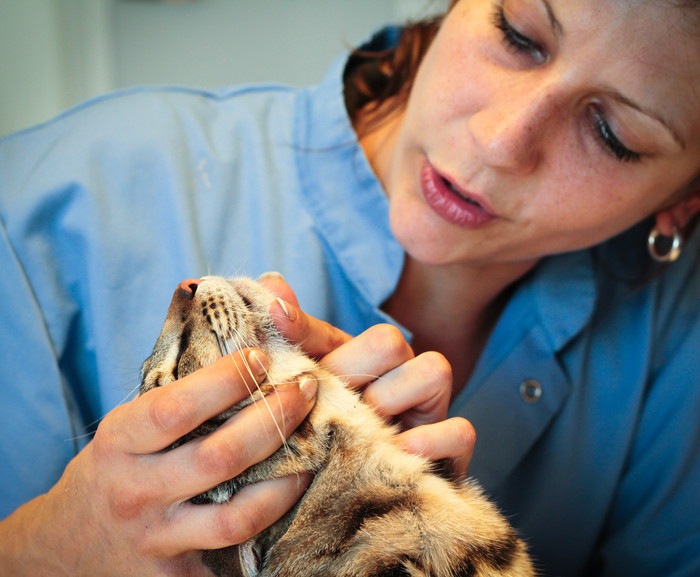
(670, 246)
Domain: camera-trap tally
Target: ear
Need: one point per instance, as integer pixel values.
(679, 214)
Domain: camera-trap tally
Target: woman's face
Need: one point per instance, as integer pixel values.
(542, 126)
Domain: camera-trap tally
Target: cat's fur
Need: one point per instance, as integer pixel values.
(372, 510)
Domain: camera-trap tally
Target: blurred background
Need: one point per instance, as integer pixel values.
(56, 53)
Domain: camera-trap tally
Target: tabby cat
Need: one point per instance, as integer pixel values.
(372, 510)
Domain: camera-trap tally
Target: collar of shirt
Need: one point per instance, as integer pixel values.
(519, 377)
(342, 193)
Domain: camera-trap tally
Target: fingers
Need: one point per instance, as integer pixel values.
(137, 491)
(315, 337)
(410, 390)
(415, 393)
(137, 432)
(371, 355)
(122, 492)
(157, 419)
(275, 282)
(452, 439)
(252, 509)
(379, 362)
(247, 438)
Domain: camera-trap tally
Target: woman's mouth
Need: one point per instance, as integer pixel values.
(450, 203)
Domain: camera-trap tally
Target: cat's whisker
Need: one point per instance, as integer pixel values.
(369, 376)
(227, 350)
(240, 339)
(223, 346)
(92, 425)
(235, 335)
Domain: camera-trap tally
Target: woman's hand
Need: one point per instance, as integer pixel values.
(413, 392)
(122, 505)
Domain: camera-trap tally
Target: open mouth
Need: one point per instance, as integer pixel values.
(454, 189)
(451, 203)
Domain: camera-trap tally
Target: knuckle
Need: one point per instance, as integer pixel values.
(284, 410)
(128, 502)
(388, 341)
(109, 436)
(218, 457)
(464, 432)
(303, 325)
(234, 526)
(167, 412)
(288, 419)
(334, 337)
(437, 368)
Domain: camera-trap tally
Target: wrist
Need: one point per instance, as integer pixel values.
(25, 547)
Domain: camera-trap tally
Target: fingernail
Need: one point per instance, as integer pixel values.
(271, 274)
(289, 311)
(308, 387)
(258, 362)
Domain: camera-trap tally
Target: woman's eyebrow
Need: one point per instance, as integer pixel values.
(651, 114)
(558, 30)
(554, 23)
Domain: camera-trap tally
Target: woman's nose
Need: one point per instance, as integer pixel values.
(510, 132)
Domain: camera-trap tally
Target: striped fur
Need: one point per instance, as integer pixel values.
(372, 510)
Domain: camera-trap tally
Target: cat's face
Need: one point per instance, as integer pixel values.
(207, 318)
(212, 317)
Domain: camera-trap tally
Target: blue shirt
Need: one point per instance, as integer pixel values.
(596, 458)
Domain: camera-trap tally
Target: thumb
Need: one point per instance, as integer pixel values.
(316, 337)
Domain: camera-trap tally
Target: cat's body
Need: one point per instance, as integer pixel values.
(372, 510)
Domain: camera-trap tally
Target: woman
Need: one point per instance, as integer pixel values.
(493, 202)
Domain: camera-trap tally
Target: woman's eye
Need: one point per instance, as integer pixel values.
(609, 139)
(515, 40)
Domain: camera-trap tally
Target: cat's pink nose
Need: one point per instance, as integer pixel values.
(190, 285)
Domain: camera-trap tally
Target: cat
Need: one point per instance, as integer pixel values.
(372, 509)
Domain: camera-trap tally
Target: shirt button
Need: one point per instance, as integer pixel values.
(531, 391)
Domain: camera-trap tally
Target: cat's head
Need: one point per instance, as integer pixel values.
(208, 318)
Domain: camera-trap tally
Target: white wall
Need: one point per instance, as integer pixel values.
(55, 53)
(214, 42)
(31, 80)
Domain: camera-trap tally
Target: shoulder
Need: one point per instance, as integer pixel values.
(673, 295)
(140, 100)
(616, 313)
(126, 115)
(663, 298)
(141, 138)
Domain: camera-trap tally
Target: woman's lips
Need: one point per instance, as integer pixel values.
(450, 203)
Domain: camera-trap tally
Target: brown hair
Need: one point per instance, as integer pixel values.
(377, 82)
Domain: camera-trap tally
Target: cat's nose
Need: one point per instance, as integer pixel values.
(190, 286)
